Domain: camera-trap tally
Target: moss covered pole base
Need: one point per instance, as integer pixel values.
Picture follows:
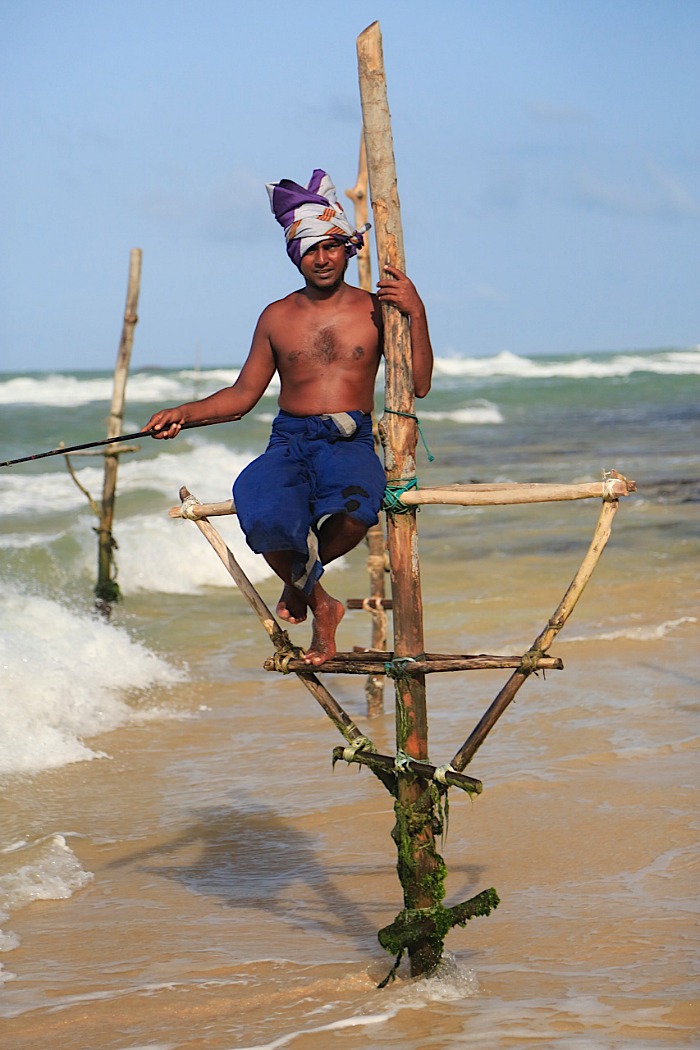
(431, 925)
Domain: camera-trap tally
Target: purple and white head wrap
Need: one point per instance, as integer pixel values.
(310, 214)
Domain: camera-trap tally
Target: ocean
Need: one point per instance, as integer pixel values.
(180, 866)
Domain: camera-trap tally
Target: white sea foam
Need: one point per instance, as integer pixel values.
(359, 1021)
(66, 677)
(451, 982)
(476, 413)
(507, 364)
(45, 870)
(642, 633)
(156, 553)
(48, 870)
(72, 391)
(172, 387)
(209, 467)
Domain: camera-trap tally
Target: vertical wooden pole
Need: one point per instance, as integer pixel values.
(421, 869)
(374, 685)
(107, 589)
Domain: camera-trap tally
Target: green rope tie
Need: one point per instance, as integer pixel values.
(392, 495)
(410, 415)
(391, 976)
(401, 761)
(398, 668)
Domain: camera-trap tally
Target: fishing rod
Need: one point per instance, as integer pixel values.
(106, 441)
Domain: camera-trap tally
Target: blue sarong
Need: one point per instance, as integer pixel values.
(312, 468)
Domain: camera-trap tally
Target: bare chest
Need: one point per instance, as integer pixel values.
(326, 344)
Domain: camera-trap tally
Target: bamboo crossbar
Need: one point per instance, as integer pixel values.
(482, 495)
(371, 604)
(432, 663)
(425, 770)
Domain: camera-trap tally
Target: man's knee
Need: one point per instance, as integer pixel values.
(339, 534)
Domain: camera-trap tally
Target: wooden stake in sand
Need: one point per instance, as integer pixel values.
(107, 588)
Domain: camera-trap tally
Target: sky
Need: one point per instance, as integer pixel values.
(547, 154)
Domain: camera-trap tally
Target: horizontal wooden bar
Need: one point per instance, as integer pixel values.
(506, 493)
(388, 764)
(203, 510)
(372, 662)
(613, 487)
(370, 604)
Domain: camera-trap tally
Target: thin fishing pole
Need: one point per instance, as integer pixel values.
(104, 441)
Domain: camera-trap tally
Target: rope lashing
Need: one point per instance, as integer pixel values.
(394, 491)
(609, 494)
(411, 415)
(529, 661)
(187, 508)
(440, 771)
(284, 654)
(398, 668)
(362, 743)
(401, 762)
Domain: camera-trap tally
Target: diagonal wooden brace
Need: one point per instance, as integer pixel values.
(544, 639)
(279, 637)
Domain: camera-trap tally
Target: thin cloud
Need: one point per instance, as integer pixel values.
(661, 196)
(545, 112)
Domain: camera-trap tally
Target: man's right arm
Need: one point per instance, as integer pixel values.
(230, 403)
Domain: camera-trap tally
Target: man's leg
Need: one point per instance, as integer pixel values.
(327, 612)
(338, 535)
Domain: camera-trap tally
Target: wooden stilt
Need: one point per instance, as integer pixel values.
(421, 869)
(374, 686)
(106, 588)
(418, 786)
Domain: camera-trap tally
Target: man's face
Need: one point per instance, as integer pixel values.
(324, 265)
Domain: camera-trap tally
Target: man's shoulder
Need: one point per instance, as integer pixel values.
(298, 301)
(287, 302)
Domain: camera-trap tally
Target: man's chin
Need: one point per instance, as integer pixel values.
(327, 283)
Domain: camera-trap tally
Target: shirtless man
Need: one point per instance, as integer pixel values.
(311, 497)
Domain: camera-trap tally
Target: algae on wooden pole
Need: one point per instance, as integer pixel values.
(107, 588)
(421, 869)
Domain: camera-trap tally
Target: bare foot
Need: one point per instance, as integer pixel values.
(292, 605)
(327, 615)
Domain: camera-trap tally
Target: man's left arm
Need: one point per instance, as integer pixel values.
(399, 291)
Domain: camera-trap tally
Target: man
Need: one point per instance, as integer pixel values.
(312, 495)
